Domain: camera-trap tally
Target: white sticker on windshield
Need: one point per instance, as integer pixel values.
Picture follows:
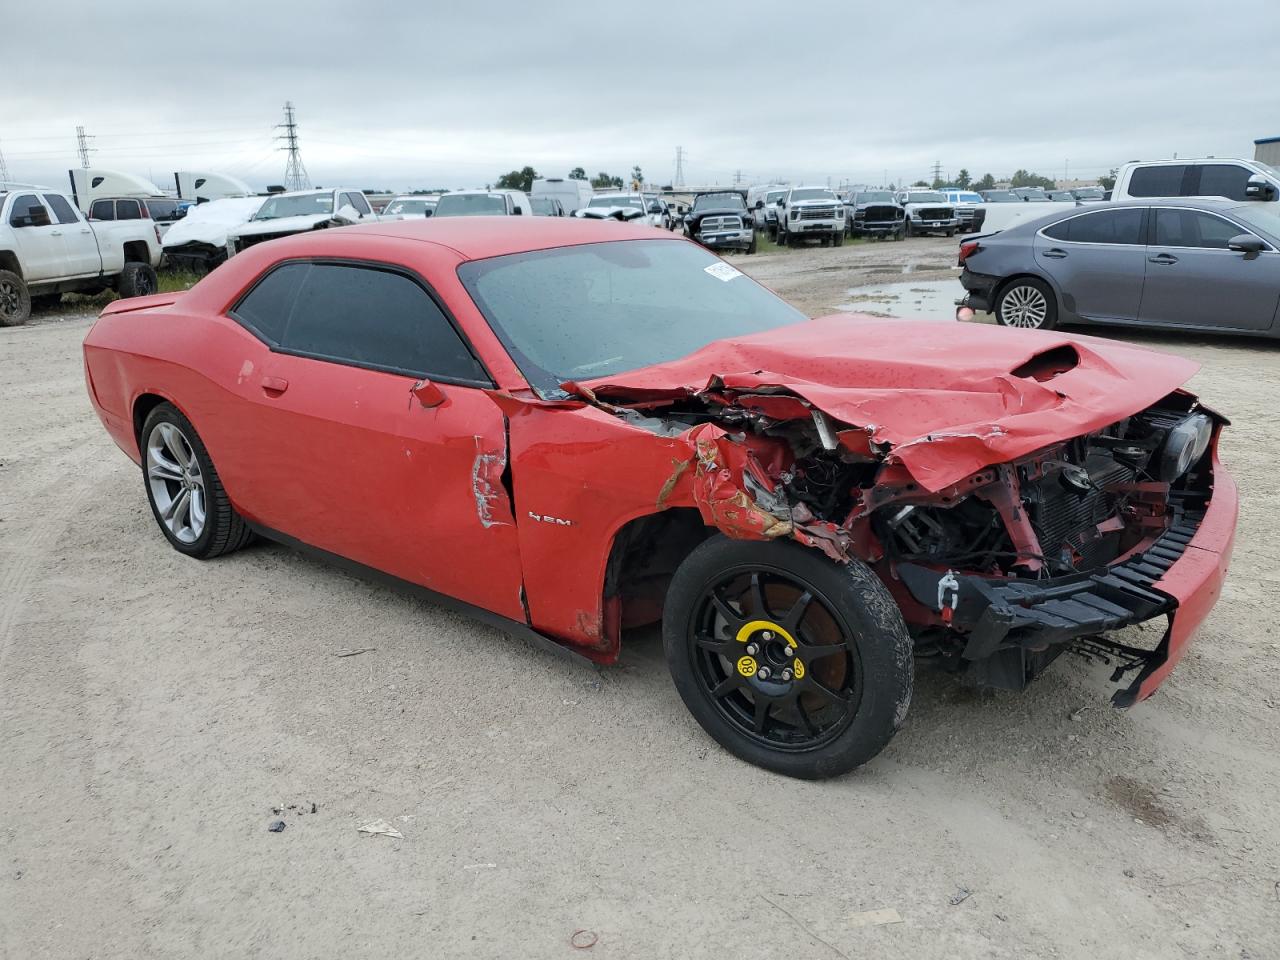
(722, 271)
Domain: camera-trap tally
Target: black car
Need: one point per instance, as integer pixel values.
(720, 220)
(874, 213)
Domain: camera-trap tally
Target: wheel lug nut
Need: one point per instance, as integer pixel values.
(763, 673)
(752, 649)
(791, 651)
(768, 635)
(786, 674)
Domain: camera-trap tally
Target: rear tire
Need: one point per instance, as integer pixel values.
(137, 280)
(754, 243)
(15, 300)
(829, 705)
(1027, 303)
(186, 495)
(838, 240)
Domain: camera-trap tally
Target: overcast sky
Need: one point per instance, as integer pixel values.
(405, 95)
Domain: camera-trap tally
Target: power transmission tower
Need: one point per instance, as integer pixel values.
(85, 149)
(737, 177)
(295, 173)
(4, 168)
(679, 180)
(937, 170)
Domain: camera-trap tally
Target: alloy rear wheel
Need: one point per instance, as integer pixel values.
(1026, 303)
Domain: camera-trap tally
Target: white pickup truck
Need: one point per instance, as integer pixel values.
(285, 214)
(48, 248)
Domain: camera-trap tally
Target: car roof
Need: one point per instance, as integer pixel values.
(477, 238)
(1213, 206)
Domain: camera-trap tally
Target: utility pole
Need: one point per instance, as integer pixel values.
(85, 149)
(4, 169)
(679, 180)
(295, 173)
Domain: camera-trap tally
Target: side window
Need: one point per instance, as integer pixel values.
(163, 211)
(1192, 228)
(1223, 180)
(128, 210)
(103, 210)
(266, 307)
(376, 318)
(1107, 226)
(360, 203)
(23, 206)
(61, 209)
(1162, 180)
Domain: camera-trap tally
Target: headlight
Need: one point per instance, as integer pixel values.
(794, 213)
(1183, 447)
(839, 213)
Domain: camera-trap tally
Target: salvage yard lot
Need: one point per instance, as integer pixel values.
(158, 712)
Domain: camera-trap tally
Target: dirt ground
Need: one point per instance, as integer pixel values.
(157, 712)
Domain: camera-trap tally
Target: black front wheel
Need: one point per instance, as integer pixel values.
(788, 660)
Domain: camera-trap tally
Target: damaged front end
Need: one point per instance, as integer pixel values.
(1047, 545)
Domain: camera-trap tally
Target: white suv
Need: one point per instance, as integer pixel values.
(1208, 179)
(810, 212)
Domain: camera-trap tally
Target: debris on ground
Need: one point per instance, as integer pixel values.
(354, 653)
(277, 826)
(960, 896)
(382, 828)
(583, 939)
(874, 918)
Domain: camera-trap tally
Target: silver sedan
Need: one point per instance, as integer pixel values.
(1177, 264)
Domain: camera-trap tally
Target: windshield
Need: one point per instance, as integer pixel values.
(965, 196)
(1088, 193)
(582, 312)
(543, 205)
(873, 196)
(299, 205)
(410, 207)
(1260, 215)
(471, 205)
(1001, 196)
(773, 196)
(719, 201)
(925, 196)
(1268, 168)
(165, 211)
(616, 202)
(812, 193)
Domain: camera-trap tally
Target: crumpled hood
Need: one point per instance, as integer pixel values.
(946, 398)
(281, 225)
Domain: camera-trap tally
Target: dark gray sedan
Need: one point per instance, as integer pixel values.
(1185, 264)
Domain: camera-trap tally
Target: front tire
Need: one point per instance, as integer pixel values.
(838, 240)
(137, 280)
(15, 300)
(186, 495)
(1027, 303)
(788, 660)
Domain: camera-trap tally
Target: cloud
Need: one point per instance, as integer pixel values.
(402, 95)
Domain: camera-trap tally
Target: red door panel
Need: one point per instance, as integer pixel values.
(348, 460)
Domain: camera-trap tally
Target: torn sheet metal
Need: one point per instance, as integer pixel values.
(951, 404)
(493, 506)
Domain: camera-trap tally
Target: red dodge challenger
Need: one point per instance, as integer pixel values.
(568, 428)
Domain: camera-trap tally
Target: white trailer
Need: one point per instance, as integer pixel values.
(203, 186)
(90, 183)
(572, 194)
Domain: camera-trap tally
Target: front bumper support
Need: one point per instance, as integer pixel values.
(1180, 575)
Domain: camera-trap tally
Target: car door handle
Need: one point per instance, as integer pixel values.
(86, 230)
(55, 233)
(274, 386)
(1163, 258)
(1055, 253)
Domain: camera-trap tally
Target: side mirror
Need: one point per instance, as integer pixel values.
(427, 393)
(36, 216)
(516, 211)
(782, 204)
(347, 214)
(759, 204)
(1246, 243)
(655, 208)
(1259, 188)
